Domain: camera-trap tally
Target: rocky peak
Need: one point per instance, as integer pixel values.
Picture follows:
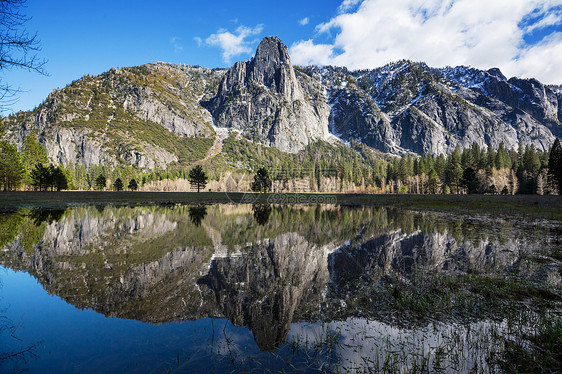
(271, 48)
(496, 72)
(264, 99)
(272, 68)
(403, 106)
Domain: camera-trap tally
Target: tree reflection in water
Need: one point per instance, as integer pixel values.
(197, 214)
(261, 213)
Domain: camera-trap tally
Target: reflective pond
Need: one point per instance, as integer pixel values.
(251, 288)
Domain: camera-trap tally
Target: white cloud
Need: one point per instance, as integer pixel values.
(312, 54)
(541, 61)
(347, 5)
(236, 43)
(174, 41)
(304, 21)
(480, 33)
(545, 19)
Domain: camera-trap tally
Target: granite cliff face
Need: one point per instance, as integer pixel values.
(263, 98)
(410, 107)
(154, 115)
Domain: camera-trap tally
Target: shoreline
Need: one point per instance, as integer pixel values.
(531, 206)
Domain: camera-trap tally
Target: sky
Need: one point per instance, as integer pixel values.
(521, 37)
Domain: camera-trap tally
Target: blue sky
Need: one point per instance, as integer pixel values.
(522, 37)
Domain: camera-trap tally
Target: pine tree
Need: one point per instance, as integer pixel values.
(33, 152)
(133, 186)
(491, 160)
(402, 172)
(69, 174)
(454, 169)
(528, 170)
(433, 182)
(466, 159)
(469, 180)
(262, 182)
(531, 161)
(198, 177)
(440, 164)
(118, 184)
(409, 166)
(502, 157)
(58, 178)
(100, 182)
(555, 165)
(40, 177)
(12, 170)
(475, 155)
(81, 177)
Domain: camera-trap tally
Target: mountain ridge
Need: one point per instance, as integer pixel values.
(158, 114)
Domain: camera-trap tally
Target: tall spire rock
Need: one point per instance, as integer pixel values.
(272, 67)
(264, 99)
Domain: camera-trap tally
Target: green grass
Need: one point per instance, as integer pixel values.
(446, 298)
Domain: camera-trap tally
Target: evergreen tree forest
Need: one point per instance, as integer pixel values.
(471, 170)
(353, 168)
(474, 170)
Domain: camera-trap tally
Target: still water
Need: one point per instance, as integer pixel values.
(256, 287)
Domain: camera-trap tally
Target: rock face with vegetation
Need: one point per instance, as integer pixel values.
(158, 115)
(146, 116)
(69, 245)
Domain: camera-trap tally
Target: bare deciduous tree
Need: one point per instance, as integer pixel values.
(18, 48)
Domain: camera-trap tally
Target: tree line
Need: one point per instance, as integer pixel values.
(480, 170)
(471, 170)
(358, 168)
(29, 168)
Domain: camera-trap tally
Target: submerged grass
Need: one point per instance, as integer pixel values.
(483, 323)
(457, 298)
(538, 350)
(521, 342)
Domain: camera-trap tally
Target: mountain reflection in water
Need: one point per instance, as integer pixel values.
(262, 267)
